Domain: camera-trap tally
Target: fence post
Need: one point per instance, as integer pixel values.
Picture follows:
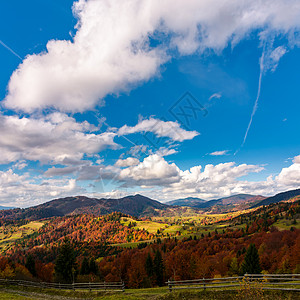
(123, 286)
(204, 287)
(73, 286)
(170, 285)
(90, 287)
(59, 285)
(104, 286)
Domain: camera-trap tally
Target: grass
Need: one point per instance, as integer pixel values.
(150, 226)
(11, 233)
(162, 293)
(286, 224)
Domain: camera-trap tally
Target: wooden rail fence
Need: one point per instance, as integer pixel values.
(284, 282)
(103, 286)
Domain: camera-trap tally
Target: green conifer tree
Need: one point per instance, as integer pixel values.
(251, 264)
(65, 267)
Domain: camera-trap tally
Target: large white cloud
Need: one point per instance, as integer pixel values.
(154, 177)
(152, 171)
(55, 138)
(167, 181)
(22, 190)
(111, 51)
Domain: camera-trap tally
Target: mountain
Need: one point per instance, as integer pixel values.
(279, 197)
(189, 201)
(136, 205)
(5, 207)
(236, 202)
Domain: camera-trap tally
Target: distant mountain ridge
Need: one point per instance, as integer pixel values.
(235, 200)
(136, 205)
(141, 206)
(284, 196)
(5, 207)
(189, 201)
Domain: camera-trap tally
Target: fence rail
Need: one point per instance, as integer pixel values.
(284, 282)
(104, 286)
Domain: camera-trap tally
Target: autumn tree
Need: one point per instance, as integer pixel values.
(251, 262)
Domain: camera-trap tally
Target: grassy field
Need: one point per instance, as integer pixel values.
(12, 233)
(150, 226)
(14, 292)
(287, 224)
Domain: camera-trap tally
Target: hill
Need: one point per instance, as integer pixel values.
(235, 202)
(5, 207)
(189, 201)
(285, 196)
(136, 205)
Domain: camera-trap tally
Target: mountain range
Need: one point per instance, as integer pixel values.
(237, 202)
(141, 206)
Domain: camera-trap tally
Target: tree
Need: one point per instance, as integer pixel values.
(158, 268)
(149, 265)
(251, 262)
(234, 267)
(30, 265)
(93, 268)
(65, 268)
(85, 268)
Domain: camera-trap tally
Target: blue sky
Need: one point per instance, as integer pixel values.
(93, 108)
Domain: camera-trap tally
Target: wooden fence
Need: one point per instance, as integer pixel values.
(284, 282)
(103, 286)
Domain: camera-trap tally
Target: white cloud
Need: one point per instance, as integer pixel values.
(111, 52)
(55, 138)
(215, 96)
(290, 177)
(22, 191)
(160, 128)
(154, 176)
(296, 159)
(128, 162)
(168, 182)
(219, 153)
(154, 170)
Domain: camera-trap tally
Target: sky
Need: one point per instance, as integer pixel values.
(168, 99)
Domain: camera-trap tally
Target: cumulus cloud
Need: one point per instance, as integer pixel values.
(22, 191)
(160, 128)
(290, 177)
(153, 170)
(168, 181)
(55, 138)
(111, 50)
(296, 159)
(128, 162)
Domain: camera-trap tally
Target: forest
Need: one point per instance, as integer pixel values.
(108, 248)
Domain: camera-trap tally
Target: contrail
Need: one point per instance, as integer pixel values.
(10, 50)
(256, 100)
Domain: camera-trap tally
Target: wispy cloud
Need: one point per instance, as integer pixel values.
(11, 50)
(219, 153)
(215, 95)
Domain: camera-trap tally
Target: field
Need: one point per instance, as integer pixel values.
(11, 233)
(162, 293)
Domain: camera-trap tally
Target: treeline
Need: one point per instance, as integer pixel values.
(82, 243)
(221, 254)
(88, 233)
(217, 255)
